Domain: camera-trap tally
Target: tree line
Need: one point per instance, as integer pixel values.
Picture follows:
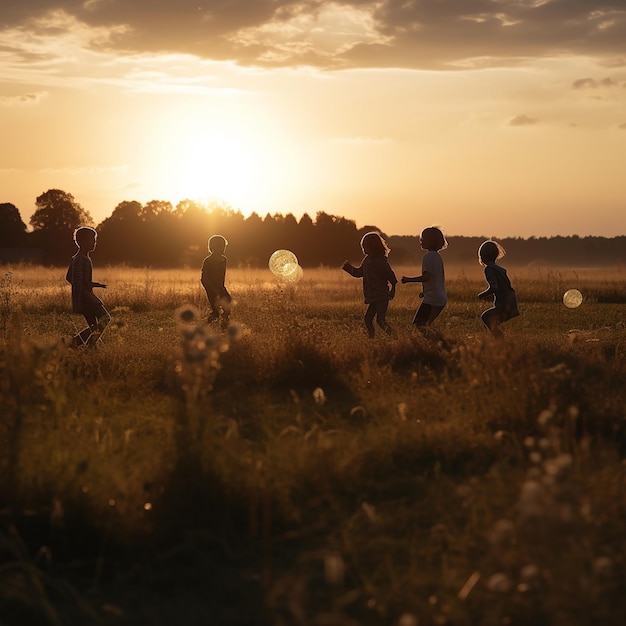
(157, 234)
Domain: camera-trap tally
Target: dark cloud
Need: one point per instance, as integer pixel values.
(23, 99)
(401, 33)
(591, 83)
(583, 83)
(522, 120)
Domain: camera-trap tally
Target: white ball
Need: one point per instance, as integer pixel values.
(572, 298)
(282, 263)
(295, 276)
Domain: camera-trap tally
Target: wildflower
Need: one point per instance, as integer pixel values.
(558, 467)
(529, 573)
(532, 501)
(603, 567)
(402, 411)
(499, 583)
(334, 568)
(234, 331)
(545, 417)
(187, 314)
(408, 619)
(466, 494)
(358, 412)
(503, 534)
(319, 396)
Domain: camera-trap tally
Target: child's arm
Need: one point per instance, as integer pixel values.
(99, 285)
(357, 272)
(493, 285)
(424, 278)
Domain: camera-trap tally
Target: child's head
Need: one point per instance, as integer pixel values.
(489, 252)
(217, 244)
(85, 238)
(432, 239)
(373, 244)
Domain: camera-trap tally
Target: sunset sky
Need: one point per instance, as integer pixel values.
(487, 117)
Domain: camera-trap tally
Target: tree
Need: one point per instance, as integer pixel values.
(54, 221)
(57, 211)
(119, 233)
(12, 228)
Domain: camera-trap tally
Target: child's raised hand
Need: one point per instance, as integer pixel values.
(345, 265)
(404, 280)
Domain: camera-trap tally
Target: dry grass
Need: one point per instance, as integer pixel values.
(325, 478)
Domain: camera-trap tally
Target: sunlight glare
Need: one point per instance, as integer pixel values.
(213, 163)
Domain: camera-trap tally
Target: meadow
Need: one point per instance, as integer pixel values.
(291, 471)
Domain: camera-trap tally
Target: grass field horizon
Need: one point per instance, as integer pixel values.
(291, 471)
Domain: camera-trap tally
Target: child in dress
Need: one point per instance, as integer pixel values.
(504, 298)
(212, 279)
(432, 278)
(84, 300)
(379, 281)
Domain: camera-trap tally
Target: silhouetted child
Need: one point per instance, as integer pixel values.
(212, 279)
(432, 277)
(504, 297)
(379, 281)
(84, 301)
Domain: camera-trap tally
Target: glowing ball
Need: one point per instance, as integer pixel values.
(282, 263)
(295, 276)
(572, 298)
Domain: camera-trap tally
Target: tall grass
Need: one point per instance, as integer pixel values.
(324, 478)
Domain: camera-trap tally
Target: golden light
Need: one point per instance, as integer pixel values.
(213, 163)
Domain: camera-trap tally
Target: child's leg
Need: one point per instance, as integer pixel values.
(381, 315)
(225, 302)
(81, 338)
(434, 314)
(491, 319)
(369, 319)
(422, 315)
(98, 319)
(102, 321)
(214, 307)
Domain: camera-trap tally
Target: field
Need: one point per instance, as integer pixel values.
(292, 471)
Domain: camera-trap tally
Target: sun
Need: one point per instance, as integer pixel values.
(245, 158)
(211, 162)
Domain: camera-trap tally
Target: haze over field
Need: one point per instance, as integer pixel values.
(494, 117)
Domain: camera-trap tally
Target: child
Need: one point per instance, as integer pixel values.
(379, 281)
(505, 299)
(84, 301)
(212, 279)
(432, 278)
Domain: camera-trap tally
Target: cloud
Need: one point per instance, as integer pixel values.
(27, 99)
(428, 34)
(583, 83)
(591, 83)
(522, 120)
(361, 141)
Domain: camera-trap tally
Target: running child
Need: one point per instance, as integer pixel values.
(213, 277)
(379, 281)
(84, 300)
(504, 297)
(432, 277)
